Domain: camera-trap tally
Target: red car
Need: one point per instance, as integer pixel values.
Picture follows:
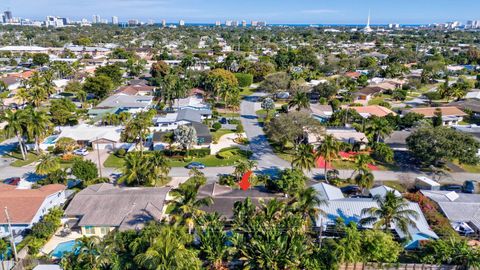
(14, 181)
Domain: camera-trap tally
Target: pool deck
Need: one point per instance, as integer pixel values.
(55, 240)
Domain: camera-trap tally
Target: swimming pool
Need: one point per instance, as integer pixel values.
(50, 140)
(63, 248)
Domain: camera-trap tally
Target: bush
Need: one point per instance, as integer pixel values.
(234, 121)
(85, 170)
(239, 128)
(224, 155)
(216, 126)
(121, 152)
(202, 152)
(227, 180)
(244, 80)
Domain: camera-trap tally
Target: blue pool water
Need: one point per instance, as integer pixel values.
(63, 248)
(50, 140)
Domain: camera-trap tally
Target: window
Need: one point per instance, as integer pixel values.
(104, 230)
(89, 230)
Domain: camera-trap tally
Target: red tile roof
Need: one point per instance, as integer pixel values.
(23, 204)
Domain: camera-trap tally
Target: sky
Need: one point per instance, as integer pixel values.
(272, 11)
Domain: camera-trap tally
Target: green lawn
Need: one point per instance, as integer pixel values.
(219, 133)
(19, 162)
(229, 115)
(468, 168)
(247, 91)
(210, 161)
(395, 185)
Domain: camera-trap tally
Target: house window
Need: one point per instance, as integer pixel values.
(89, 230)
(104, 230)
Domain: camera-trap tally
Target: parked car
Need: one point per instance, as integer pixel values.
(351, 190)
(195, 165)
(81, 152)
(223, 121)
(470, 186)
(14, 181)
(452, 187)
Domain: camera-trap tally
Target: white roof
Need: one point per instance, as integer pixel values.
(86, 132)
(473, 94)
(382, 191)
(23, 48)
(428, 181)
(47, 267)
(328, 192)
(193, 102)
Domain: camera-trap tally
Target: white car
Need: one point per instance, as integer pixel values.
(81, 152)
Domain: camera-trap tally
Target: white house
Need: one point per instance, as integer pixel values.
(103, 137)
(27, 206)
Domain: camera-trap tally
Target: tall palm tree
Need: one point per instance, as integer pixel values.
(299, 101)
(378, 128)
(213, 239)
(169, 251)
(133, 170)
(16, 122)
(364, 179)
(304, 157)
(392, 209)
(307, 203)
(160, 165)
(243, 166)
(329, 150)
(38, 126)
(48, 163)
(186, 206)
(361, 163)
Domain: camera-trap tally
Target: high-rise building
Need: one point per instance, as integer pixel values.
(52, 21)
(133, 22)
(151, 22)
(164, 23)
(115, 20)
(96, 19)
(244, 23)
(262, 23)
(235, 23)
(254, 23)
(218, 23)
(181, 23)
(228, 23)
(367, 28)
(8, 16)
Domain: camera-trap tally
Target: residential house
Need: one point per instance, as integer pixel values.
(224, 198)
(471, 104)
(27, 206)
(131, 104)
(450, 115)
(462, 209)
(171, 121)
(474, 94)
(136, 90)
(11, 82)
(346, 135)
(101, 208)
(372, 110)
(367, 93)
(350, 210)
(101, 137)
(321, 112)
(398, 140)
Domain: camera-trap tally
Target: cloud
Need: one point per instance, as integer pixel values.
(319, 11)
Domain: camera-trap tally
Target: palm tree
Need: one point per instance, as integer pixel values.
(328, 150)
(133, 170)
(361, 163)
(243, 166)
(307, 203)
(22, 95)
(378, 128)
(48, 163)
(186, 205)
(160, 164)
(86, 255)
(213, 239)
(304, 157)
(364, 179)
(138, 128)
(168, 251)
(392, 209)
(38, 126)
(16, 126)
(300, 100)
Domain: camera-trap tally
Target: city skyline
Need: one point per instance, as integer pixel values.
(301, 12)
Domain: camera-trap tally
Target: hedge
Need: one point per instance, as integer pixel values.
(244, 79)
(202, 152)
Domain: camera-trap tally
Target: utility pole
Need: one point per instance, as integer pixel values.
(99, 163)
(12, 240)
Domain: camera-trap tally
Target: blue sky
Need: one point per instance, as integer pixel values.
(273, 11)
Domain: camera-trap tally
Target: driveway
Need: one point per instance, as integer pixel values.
(259, 145)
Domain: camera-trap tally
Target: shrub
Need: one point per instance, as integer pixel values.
(224, 155)
(239, 128)
(202, 152)
(121, 152)
(85, 170)
(244, 79)
(234, 121)
(216, 126)
(227, 180)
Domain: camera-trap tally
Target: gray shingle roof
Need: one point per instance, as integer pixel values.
(110, 206)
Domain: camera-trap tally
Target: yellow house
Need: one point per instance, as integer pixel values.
(102, 208)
